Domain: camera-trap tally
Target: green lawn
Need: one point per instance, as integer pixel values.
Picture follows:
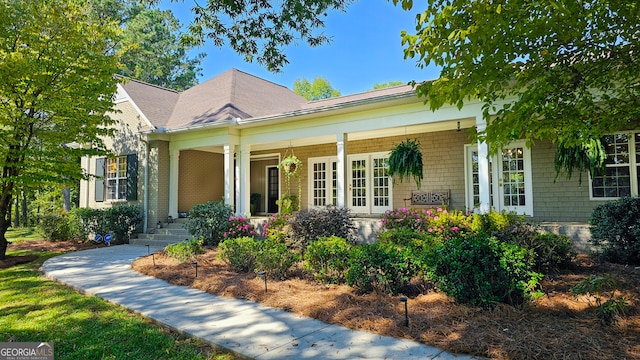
(33, 308)
(18, 235)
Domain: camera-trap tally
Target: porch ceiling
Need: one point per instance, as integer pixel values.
(370, 134)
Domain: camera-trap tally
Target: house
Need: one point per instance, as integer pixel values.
(224, 138)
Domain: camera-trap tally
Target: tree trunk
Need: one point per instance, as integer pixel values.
(66, 196)
(16, 217)
(24, 209)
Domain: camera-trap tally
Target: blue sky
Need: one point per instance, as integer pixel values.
(365, 50)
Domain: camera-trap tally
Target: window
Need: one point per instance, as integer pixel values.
(622, 168)
(116, 178)
(368, 185)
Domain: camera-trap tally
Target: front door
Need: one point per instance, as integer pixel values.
(273, 192)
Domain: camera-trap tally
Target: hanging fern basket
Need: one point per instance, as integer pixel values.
(405, 162)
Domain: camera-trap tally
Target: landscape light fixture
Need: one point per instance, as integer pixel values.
(264, 275)
(406, 311)
(196, 264)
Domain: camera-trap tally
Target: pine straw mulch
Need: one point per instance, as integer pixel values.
(557, 326)
(42, 245)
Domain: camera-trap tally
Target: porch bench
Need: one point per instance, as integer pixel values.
(434, 197)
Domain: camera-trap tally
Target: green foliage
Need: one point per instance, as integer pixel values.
(615, 227)
(328, 258)
(387, 84)
(600, 288)
(80, 223)
(551, 251)
(261, 31)
(492, 222)
(319, 89)
(405, 161)
(209, 221)
(56, 68)
(312, 224)
(274, 258)
(433, 221)
(185, 250)
(288, 204)
(515, 60)
(122, 221)
(54, 226)
(588, 155)
(380, 266)
(277, 227)
(240, 253)
(483, 271)
(155, 50)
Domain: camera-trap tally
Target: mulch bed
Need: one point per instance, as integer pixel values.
(42, 245)
(557, 326)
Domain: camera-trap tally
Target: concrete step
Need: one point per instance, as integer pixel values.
(171, 231)
(173, 238)
(152, 243)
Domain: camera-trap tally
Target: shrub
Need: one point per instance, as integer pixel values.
(209, 221)
(88, 221)
(312, 224)
(552, 252)
(434, 221)
(240, 253)
(185, 250)
(54, 226)
(482, 271)
(122, 221)
(328, 258)
(381, 266)
(274, 258)
(615, 227)
(239, 227)
(600, 288)
(493, 221)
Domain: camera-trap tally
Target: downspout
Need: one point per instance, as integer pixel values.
(145, 201)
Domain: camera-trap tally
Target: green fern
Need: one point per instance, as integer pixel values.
(405, 161)
(587, 156)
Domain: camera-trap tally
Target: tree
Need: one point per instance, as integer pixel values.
(259, 30)
(563, 70)
(153, 47)
(320, 88)
(387, 84)
(56, 81)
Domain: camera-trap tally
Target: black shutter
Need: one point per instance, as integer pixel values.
(100, 179)
(132, 177)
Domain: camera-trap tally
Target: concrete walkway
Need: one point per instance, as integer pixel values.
(246, 328)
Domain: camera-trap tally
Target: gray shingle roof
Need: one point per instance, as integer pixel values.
(155, 102)
(234, 94)
(229, 95)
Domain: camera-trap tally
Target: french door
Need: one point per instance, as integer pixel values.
(368, 185)
(510, 184)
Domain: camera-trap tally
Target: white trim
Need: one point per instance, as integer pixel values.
(632, 165)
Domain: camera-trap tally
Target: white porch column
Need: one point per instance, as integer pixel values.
(174, 171)
(244, 186)
(229, 172)
(342, 168)
(483, 169)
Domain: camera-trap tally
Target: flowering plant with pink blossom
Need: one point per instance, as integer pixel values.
(438, 222)
(239, 227)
